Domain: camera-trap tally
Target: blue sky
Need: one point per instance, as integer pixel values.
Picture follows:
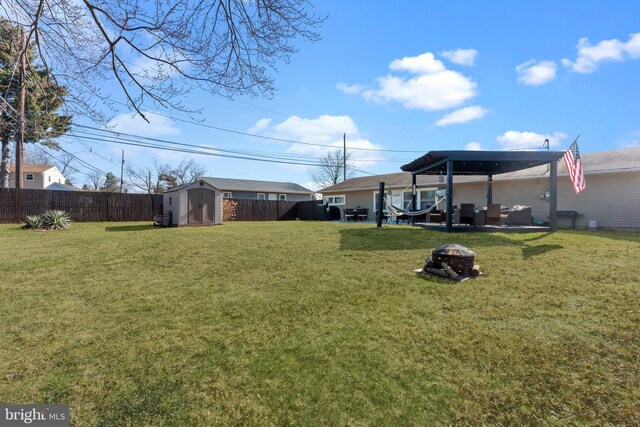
(423, 76)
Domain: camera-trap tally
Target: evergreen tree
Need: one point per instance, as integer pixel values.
(44, 98)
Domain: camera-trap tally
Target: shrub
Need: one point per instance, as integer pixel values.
(50, 220)
(56, 220)
(34, 221)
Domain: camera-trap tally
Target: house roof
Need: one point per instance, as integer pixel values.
(228, 184)
(479, 162)
(61, 187)
(627, 159)
(31, 168)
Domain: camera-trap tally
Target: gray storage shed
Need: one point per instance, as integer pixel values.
(198, 203)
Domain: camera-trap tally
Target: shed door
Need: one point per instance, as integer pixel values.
(201, 206)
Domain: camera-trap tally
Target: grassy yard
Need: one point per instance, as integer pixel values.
(318, 323)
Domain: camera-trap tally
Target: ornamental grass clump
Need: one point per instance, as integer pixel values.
(50, 220)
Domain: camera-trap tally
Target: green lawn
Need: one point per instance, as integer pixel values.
(311, 323)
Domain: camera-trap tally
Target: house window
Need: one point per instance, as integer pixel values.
(282, 197)
(28, 177)
(335, 200)
(49, 178)
(261, 196)
(170, 200)
(227, 195)
(406, 201)
(427, 198)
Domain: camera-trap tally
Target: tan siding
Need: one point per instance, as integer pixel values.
(613, 199)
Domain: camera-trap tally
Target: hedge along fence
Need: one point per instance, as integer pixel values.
(82, 206)
(269, 210)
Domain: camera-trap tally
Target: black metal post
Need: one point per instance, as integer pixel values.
(489, 189)
(380, 205)
(449, 195)
(413, 197)
(553, 196)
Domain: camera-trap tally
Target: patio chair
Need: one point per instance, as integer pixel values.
(466, 213)
(349, 215)
(519, 215)
(436, 216)
(493, 214)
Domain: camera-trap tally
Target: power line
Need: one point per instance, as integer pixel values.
(288, 157)
(191, 151)
(270, 138)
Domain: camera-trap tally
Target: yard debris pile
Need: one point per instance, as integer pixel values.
(453, 261)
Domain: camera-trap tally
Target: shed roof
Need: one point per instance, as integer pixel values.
(194, 183)
(479, 162)
(229, 184)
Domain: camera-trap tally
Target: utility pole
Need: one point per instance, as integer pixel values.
(122, 172)
(22, 81)
(344, 157)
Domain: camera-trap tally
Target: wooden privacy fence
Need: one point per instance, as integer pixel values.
(271, 210)
(82, 206)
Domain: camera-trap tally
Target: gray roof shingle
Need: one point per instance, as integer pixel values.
(229, 184)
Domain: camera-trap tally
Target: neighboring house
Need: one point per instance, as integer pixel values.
(62, 187)
(612, 194)
(245, 189)
(36, 176)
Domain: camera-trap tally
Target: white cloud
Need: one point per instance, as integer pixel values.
(461, 56)
(350, 89)
(421, 64)
(630, 144)
(433, 88)
(474, 146)
(260, 125)
(326, 130)
(589, 56)
(536, 73)
(158, 125)
(463, 115)
(528, 140)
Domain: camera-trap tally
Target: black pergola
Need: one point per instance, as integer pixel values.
(487, 163)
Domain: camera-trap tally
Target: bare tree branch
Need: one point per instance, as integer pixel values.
(158, 51)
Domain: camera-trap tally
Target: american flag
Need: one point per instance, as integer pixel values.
(574, 167)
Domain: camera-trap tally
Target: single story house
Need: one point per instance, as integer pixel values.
(245, 189)
(197, 203)
(612, 194)
(36, 176)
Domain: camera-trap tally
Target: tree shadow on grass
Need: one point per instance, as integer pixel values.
(139, 227)
(409, 238)
(530, 251)
(541, 236)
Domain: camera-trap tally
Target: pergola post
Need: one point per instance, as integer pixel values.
(553, 196)
(413, 197)
(449, 195)
(489, 189)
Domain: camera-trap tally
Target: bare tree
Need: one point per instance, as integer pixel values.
(157, 50)
(331, 169)
(96, 181)
(187, 171)
(148, 180)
